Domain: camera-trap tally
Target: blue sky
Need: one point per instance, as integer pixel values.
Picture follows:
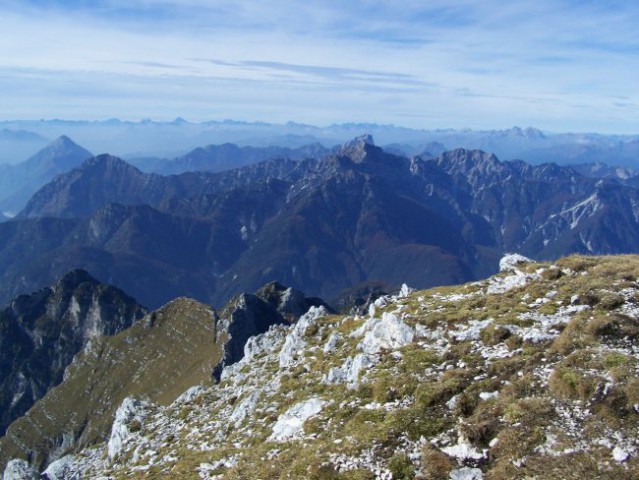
(560, 65)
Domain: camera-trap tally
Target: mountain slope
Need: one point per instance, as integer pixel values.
(152, 254)
(20, 181)
(531, 373)
(174, 348)
(105, 179)
(360, 215)
(42, 332)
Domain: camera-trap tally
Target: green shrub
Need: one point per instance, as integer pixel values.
(401, 467)
(570, 384)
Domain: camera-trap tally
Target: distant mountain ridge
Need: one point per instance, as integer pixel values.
(16, 144)
(20, 181)
(228, 156)
(357, 215)
(173, 139)
(106, 179)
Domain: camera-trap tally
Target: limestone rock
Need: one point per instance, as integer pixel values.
(18, 469)
(290, 424)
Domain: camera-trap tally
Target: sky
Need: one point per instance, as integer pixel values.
(558, 65)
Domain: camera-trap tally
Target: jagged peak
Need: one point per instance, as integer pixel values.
(106, 160)
(467, 160)
(365, 139)
(60, 151)
(74, 278)
(358, 148)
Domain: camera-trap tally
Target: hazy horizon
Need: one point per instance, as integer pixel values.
(560, 66)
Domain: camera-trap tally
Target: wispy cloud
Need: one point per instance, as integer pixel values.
(435, 64)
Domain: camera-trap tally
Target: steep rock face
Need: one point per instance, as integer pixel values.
(544, 211)
(42, 332)
(152, 254)
(18, 182)
(247, 315)
(362, 215)
(98, 181)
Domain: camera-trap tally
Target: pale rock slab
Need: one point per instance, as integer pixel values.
(509, 263)
(295, 342)
(18, 469)
(466, 473)
(130, 410)
(331, 343)
(61, 469)
(387, 333)
(245, 407)
(290, 424)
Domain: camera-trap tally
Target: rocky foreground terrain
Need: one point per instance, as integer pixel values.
(532, 373)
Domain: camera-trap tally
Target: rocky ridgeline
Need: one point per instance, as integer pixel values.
(159, 357)
(529, 374)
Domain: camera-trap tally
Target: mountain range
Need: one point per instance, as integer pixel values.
(218, 158)
(529, 372)
(17, 144)
(153, 140)
(357, 215)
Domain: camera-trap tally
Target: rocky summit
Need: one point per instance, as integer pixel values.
(531, 373)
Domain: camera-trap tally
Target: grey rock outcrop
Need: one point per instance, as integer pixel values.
(247, 315)
(42, 332)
